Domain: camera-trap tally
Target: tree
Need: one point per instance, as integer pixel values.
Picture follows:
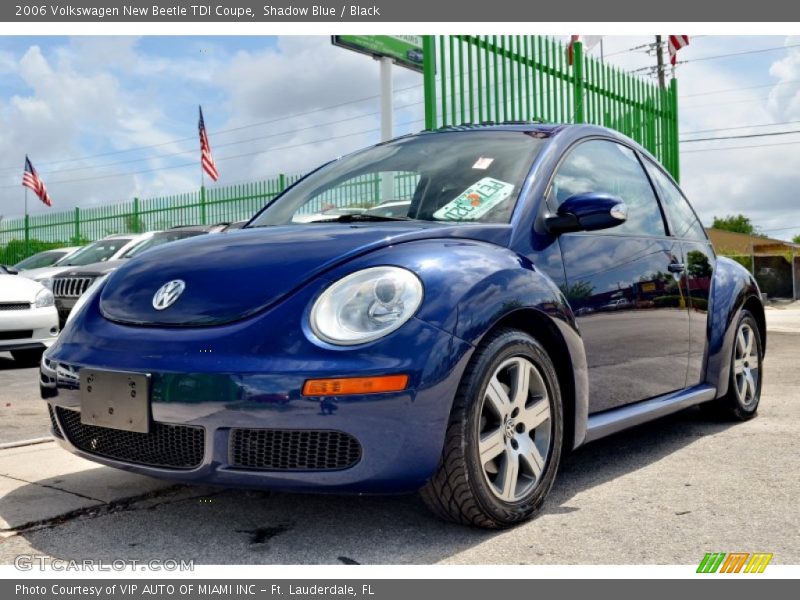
(796, 239)
(737, 224)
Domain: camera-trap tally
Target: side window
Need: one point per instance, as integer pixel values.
(607, 167)
(681, 217)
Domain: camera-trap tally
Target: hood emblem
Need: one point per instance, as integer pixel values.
(168, 294)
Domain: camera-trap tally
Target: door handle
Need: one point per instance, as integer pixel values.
(676, 267)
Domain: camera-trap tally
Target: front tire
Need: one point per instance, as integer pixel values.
(503, 443)
(741, 401)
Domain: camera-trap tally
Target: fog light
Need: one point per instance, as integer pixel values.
(54, 331)
(355, 385)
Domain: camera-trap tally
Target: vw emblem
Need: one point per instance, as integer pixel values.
(168, 293)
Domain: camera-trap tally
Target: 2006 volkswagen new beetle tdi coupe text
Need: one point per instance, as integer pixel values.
(529, 288)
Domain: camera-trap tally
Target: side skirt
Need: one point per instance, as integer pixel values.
(611, 421)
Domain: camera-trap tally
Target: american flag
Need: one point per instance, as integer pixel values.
(206, 159)
(676, 42)
(30, 179)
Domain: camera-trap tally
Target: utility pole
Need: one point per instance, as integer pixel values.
(387, 122)
(660, 59)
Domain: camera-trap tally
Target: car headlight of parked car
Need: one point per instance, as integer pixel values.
(366, 305)
(44, 298)
(86, 296)
(46, 282)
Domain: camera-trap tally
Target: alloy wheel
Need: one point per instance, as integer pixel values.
(746, 365)
(515, 429)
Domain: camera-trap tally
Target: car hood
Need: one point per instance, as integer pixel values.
(42, 273)
(97, 269)
(236, 275)
(14, 288)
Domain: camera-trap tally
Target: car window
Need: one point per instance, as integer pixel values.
(95, 252)
(463, 176)
(37, 261)
(601, 166)
(682, 219)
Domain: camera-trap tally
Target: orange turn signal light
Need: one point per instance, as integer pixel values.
(354, 385)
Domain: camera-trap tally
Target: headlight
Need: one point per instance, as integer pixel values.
(366, 305)
(44, 298)
(46, 282)
(85, 297)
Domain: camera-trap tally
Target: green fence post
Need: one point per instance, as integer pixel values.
(282, 182)
(429, 79)
(137, 225)
(202, 205)
(676, 155)
(577, 81)
(77, 225)
(27, 236)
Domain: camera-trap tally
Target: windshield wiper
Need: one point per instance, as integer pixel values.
(360, 217)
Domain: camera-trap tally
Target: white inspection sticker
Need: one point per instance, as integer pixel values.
(477, 200)
(483, 163)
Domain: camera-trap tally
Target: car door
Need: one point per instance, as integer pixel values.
(700, 261)
(623, 283)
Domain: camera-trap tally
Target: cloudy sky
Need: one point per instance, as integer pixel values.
(105, 119)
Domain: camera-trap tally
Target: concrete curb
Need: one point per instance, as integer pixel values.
(21, 443)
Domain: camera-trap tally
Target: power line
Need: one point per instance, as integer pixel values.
(739, 89)
(742, 136)
(740, 127)
(217, 131)
(742, 101)
(749, 147)
(227, 144)
(730, 54)
(220, 159)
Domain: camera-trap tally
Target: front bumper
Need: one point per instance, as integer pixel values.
(399, 435)
(28, 329)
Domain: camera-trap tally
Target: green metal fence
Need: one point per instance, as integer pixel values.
(467, 79)
(23, 236)
(473, 79)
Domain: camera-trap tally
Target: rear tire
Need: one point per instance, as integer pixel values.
(28, 358)
(740, 403)
(503, 442)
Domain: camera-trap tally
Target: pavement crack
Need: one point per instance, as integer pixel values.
(53, 487)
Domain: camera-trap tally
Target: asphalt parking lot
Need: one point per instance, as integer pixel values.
(664, 493)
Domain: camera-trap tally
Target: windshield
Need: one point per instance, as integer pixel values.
(37, 261)
(95, 252)
(158, 239)
(453, 176)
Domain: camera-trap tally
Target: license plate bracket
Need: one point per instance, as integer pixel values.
(115, 399)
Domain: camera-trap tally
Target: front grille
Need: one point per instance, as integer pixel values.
(15, 305)
(19, 334)
(293, 450)
(71, 287)
(53, 422)
(172, 446)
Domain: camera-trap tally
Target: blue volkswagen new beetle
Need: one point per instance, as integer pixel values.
(518, 291)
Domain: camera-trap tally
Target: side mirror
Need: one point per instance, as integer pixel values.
(588, 212)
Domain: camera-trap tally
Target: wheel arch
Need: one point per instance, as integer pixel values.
(547, 331)
(734, 289)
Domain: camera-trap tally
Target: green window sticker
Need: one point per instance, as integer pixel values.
(477, 200)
